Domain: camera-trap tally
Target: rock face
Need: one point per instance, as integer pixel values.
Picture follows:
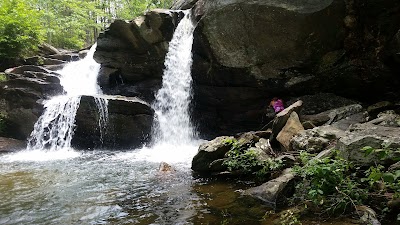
(129, 124)
(246, 52)
(22, 92)
(132, 53)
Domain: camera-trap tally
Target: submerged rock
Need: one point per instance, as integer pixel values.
(128, 126)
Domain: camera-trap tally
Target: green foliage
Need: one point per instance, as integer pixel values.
(244, 159)
(329, 184)
(3, 77)
(70, 24)
(376, 174)
(20, 31)
(288, 217)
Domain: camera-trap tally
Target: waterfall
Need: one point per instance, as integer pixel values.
(172, 100)
(55, 127)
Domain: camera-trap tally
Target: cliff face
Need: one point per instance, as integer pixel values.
(246, 52)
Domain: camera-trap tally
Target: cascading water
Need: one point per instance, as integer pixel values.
(173, 99)
(55, 127)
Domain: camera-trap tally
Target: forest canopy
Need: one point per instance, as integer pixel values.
(69, 24)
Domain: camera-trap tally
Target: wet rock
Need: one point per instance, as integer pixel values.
(136, 49)
(165, 168)
(10, 144)
(211, 151)
(292, 127)
(128, 126)
(183, 4)
(82, 54)
(68, 57)
(316, 139)
(23, 95)
(274, 192)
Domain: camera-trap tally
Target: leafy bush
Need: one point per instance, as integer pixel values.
(377, 174)
(329, 184)
(243, 159)
(20, 31)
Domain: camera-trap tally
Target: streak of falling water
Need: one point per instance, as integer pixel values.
(55, 127)
(173, 99)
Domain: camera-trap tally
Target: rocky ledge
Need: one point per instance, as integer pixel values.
(126, 125)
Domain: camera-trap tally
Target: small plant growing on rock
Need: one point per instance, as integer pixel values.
(328, 184)
(244, 160)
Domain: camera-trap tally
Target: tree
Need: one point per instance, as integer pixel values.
(20, 30)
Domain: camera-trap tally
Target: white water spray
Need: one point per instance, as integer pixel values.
(55, 127)
(172, 100)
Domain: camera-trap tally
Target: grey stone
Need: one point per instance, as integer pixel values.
(274, 192)
(362, 135)
(211, 151)
(316, 139)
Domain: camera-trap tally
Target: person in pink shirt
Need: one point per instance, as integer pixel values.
(277, 104)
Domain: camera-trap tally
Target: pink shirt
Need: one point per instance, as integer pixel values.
(278, 106)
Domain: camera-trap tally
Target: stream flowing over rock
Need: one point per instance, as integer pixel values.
(128, 124)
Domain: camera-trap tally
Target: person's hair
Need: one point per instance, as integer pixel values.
(274, 99)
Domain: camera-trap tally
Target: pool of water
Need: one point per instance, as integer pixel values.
(111, 187)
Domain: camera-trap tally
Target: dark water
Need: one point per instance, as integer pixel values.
(104, 187)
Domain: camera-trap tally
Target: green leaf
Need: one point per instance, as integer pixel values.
(367, 150)
(388, 177)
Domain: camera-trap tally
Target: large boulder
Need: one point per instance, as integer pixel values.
(22, 93)
(246, 52)
(274, 193)
(282, 117)
(128, 124)
(133, 52)
(367, 134)
(214, 150)
(292, 127)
